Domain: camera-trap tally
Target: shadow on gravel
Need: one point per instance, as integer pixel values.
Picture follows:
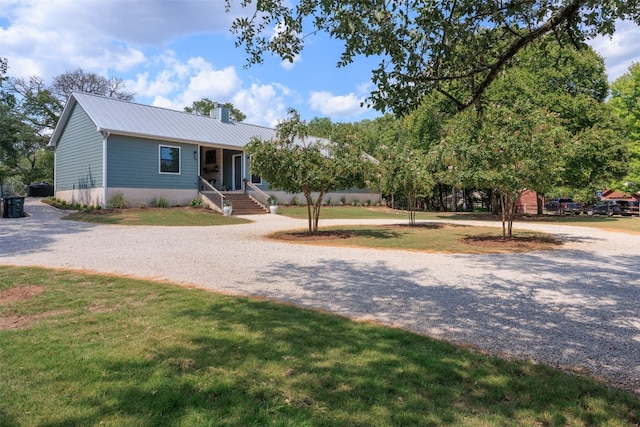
(35, 232)
(575, 310)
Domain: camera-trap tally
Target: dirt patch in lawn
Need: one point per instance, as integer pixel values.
(514, 243)
(304, 236)
(19, 293)
(21, 321)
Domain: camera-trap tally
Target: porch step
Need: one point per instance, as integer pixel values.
(244, 205)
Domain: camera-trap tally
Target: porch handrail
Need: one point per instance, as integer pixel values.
(257, 193)
(205, 184)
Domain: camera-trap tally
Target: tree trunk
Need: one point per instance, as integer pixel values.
(454, 199)
(494, 202)
(307, 196)
(540, 202)
(504, 214)
(411, 210)
(316, 212)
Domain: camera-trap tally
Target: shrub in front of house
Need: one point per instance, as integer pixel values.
(117, 201)
(161, 202)
(197, 203)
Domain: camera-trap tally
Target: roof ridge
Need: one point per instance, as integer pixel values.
(108, 98)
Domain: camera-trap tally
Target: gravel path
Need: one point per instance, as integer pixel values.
(577, 308)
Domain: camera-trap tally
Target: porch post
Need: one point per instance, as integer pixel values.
(244, 166)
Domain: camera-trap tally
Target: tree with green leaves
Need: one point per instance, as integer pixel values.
(457, 48)
(34, 110)
(573, 85)
(508, 148)
(10, 127)
(299, 163)
(625, 100)
(406, 171)
(205, 105)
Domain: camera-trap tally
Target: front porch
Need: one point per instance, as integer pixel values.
(223, 168)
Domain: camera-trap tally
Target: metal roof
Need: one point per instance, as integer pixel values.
(120, 117)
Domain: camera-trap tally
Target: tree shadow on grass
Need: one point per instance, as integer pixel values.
(574, 310)
(283, 366)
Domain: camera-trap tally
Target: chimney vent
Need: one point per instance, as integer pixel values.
(220, 113)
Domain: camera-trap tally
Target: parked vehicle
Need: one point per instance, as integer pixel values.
(612, 207)
(628, 208)
(564, 206)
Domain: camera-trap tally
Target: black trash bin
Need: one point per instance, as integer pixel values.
(13, 207)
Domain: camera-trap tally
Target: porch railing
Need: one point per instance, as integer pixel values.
(218, 198)
(253, 191)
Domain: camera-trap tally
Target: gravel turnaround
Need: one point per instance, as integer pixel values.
(576, 308)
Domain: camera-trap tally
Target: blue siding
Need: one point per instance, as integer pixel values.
(79, 154)
(134, 163)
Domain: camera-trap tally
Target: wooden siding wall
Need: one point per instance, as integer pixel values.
(79, 154)
(134, 163)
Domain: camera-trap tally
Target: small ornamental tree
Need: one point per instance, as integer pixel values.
(507, 149)
(405, 170)
(404, 164)
(298, 163)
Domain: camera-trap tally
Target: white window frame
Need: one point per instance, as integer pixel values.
(251, 175)
(160, 147)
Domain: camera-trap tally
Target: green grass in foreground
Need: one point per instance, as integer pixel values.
(102, 350)
(626, 224)
(157, 216)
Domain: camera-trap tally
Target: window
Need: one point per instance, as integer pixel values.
(169, 159)
(255, 179)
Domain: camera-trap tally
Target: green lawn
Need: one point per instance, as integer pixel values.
(428, 237)
(157, 216)
(626, 224)
(80, 349)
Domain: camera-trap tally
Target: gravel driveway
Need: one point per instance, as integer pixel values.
(577, 308)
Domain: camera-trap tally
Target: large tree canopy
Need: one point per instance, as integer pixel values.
(457, 47)
(80, 80)
(30, 110)
(625, 99)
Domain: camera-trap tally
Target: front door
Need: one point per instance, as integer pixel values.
(237, 172)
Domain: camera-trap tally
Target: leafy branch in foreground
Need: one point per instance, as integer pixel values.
(457, 48)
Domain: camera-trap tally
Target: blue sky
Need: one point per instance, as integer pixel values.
(173, 52)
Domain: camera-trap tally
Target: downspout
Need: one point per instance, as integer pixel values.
(105, 135)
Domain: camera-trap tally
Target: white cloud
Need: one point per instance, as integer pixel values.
(336, 106)
(48, 38)
(176, 84)
(620, 50)
(263, 104)
(289, 65)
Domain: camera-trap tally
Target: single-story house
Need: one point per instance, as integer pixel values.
(106, 146)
